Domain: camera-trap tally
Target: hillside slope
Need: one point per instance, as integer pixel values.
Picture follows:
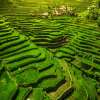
(28, 68)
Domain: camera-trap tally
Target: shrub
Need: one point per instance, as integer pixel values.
(93, 14)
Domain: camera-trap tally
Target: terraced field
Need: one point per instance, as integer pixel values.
(48, 59)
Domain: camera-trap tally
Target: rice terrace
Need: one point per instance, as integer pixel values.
(49, 49)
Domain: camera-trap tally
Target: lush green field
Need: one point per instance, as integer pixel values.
(48, 59)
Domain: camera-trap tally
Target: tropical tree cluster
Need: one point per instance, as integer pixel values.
(5, 3)
(94, 12)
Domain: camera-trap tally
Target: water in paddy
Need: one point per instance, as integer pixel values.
(48, 59)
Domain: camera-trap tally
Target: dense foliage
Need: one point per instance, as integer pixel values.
(49, 50)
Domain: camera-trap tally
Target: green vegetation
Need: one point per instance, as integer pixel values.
(98, 21)
(50, 50)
